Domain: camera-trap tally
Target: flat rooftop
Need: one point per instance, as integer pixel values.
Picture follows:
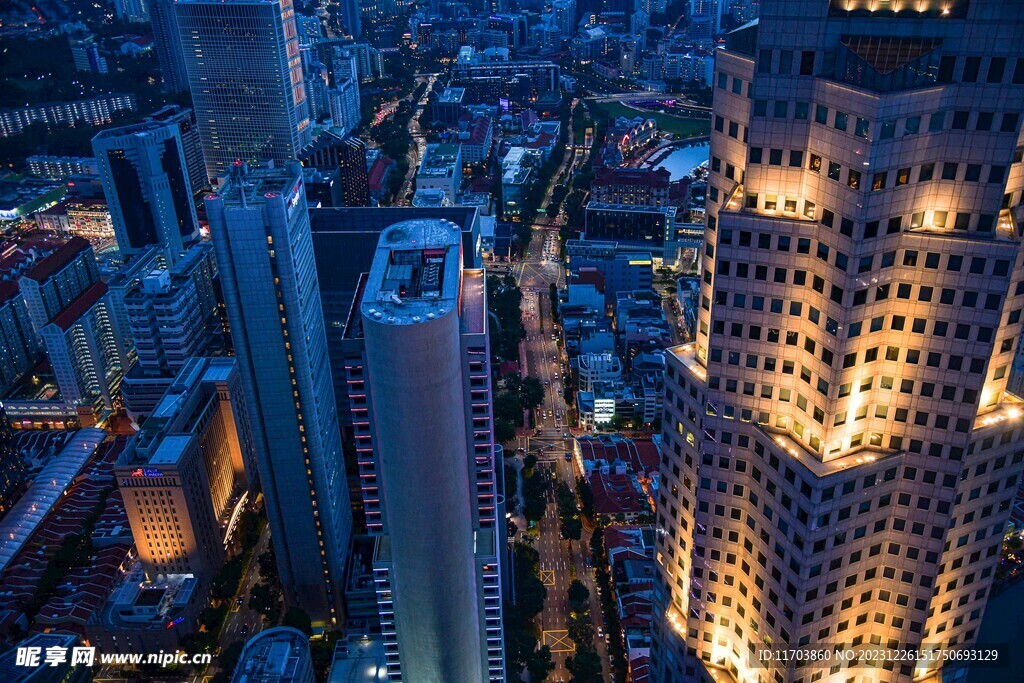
(246, 187)
(415, 274)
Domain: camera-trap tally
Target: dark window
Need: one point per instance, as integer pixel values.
(972, 65)
(996, 68)
(806, 63)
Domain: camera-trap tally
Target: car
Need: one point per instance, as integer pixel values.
(245, 629)
(547, 383)
(568, 456)
(240, 600)
(565, 436)
(600, 632)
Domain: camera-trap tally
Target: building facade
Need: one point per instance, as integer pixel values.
(355, 190)
(179, 473)
(260, 225)
(253, 111)
(840, 451)
(418, 364)
(147, 185)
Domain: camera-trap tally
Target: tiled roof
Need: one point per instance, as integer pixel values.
(66, 318)
(57, 260)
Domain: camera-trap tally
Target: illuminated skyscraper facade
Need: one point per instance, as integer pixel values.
(245, 73)
(840, 452)
(260, 225)
(418, 370)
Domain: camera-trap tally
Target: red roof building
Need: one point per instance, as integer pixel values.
(632, 186)
(618, 494)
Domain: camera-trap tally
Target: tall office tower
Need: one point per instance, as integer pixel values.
(355, 184)
(19, 344)
(565, 16)
(172, 312)
(840, 452)
(351, 19)
(179, 473)
(167, 43)
(147, 185)
(418, 364)
(192, 146)
(253, 109)
(260, 228)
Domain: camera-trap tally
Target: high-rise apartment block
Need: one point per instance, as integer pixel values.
(260, 227)
(418, 368)
(147, 185)
(179, 473)
(355, 190)
(251, 108)
(167, 313)
(56, 280)
(19, 343)
(840, 452)
(172, 312)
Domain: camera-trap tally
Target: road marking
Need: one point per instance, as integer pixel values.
(547, 577)
(558, 641)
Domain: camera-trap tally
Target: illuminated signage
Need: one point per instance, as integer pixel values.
(147, 472)
(604, 410)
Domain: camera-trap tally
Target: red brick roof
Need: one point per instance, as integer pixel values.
(8, 290)
(377, 172)
(58, 259)
(66, 318)
(640, 669)
(616, 493)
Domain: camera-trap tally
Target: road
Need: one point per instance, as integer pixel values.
(560, 561)
(419, 146)
(242, 623)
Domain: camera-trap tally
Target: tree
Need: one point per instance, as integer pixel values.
(504, 431)
(539, 664)
(264, 599)
(531, 393)
(248, 529)
(585, 667)
(297, 618)
(579, 596)
(571, 529)
(586, 495)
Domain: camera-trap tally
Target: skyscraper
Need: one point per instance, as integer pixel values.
(355, 189)
(147, 185)
(840, 453)
(167, 43)
(350, 18)
(245, 74)
(265, 257)
(419, 369)
(185, 119)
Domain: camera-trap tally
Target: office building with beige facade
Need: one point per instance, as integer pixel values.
(840, 450)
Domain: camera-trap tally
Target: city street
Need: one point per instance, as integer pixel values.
(560, 561)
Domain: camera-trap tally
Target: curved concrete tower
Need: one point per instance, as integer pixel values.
(411, 326)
